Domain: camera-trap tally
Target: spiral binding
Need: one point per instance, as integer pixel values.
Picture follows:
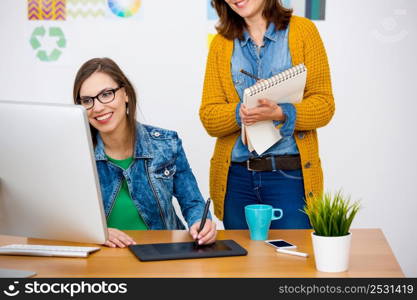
(277, 79)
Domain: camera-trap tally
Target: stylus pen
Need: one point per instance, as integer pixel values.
(250, 75)
(204, 218)
(292, 252)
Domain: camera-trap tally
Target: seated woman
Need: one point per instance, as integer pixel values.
(140, 167)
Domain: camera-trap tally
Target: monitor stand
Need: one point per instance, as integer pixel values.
(11, 273)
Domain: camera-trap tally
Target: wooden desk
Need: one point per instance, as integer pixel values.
(371, 256)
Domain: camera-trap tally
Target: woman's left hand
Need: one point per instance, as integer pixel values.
(266, 110)
(207, 235)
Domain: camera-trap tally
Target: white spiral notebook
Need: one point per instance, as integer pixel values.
(285, 87)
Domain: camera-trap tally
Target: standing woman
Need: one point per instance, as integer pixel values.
(140, 167)
(263, 38)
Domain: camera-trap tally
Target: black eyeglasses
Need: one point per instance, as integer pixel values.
(104, 97)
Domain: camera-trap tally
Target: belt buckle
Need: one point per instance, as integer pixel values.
(248, 165)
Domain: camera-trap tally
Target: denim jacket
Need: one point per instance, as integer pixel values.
(159, 171)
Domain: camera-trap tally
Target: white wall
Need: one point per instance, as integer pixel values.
(369, 147)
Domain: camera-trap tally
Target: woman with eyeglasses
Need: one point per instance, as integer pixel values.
(140, 167)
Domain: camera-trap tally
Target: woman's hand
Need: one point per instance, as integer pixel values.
(207, 235)
(266, 110)
(118, 238)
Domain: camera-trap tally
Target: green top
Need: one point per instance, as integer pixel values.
(124, 214)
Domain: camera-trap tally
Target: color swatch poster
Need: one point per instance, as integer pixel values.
(311, 9)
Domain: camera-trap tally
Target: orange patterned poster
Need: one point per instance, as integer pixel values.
(47, 10)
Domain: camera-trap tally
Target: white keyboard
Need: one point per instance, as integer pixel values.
(47, 250)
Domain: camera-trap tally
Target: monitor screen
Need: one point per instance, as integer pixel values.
(49, 185)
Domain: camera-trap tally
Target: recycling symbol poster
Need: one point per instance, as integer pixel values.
(42, 53)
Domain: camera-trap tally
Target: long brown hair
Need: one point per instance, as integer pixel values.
(107, 66)
(231, 25)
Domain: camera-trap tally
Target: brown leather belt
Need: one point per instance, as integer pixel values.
(272, 163)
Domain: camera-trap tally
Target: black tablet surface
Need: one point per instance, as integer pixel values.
(185, 250)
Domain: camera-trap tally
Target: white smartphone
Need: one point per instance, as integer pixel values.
(280, 244)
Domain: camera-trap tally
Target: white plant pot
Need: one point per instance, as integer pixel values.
(331, 253)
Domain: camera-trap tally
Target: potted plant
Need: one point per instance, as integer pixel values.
(331, 216)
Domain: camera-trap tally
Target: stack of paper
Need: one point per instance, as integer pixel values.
(285, 87)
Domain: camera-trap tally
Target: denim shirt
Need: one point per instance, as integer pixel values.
(272, 58)
(159, 171)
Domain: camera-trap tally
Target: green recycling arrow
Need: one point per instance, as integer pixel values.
(54, 32)
(57, 32)
(39, 31)
(43, 56)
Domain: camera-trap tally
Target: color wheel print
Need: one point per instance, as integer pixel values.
(124, 8)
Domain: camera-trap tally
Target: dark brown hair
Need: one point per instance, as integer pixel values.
(109, 67)
(231, 25)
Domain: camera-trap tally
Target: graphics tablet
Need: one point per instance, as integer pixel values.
(186, 250)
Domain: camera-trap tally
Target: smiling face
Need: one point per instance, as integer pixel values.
(247, 9)
(106, 118)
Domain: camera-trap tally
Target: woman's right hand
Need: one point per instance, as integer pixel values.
(118, 238)
(266, 110)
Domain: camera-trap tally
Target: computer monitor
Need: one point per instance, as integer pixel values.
(49, 186)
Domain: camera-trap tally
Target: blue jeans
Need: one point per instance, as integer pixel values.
(280, 189)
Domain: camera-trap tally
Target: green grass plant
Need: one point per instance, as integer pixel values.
(331, 214)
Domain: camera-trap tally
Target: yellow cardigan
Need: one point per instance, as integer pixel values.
(219, 101)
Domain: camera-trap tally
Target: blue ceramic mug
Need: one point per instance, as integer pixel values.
(259, 217)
